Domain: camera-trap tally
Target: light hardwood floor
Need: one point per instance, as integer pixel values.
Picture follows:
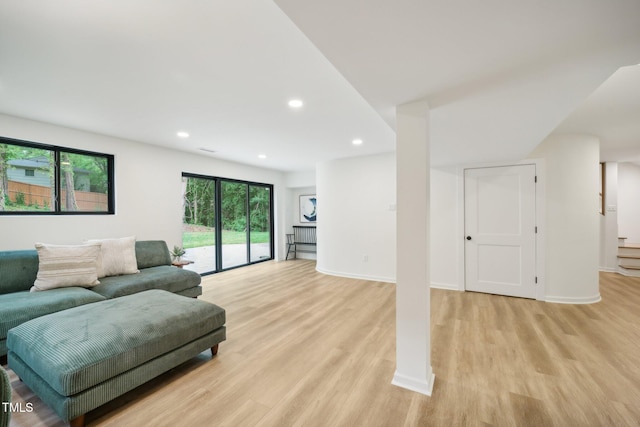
(307, 349)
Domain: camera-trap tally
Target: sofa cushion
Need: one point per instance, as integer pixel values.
(18, 270)
(19, 307)
(66, 265)
(165, 277)
(152, 253)
(117, 256)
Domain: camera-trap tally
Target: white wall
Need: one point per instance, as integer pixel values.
(629, 201)
(572, 218)
(572, 221)
(147, 188)
(300, 179)
(356, 217)
(445, 225)
(609, 221)
(444, 218)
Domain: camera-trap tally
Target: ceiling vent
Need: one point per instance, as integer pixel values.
(208, 150)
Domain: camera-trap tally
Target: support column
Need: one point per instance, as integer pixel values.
(413, 347)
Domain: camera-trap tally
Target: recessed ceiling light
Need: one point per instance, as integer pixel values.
(262, 156)
(357, 142)
(295, 103)
(183, 134)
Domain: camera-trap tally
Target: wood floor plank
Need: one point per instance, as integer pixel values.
(306, 349)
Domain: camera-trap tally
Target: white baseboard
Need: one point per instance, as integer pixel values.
(357, 276)
(565, 300)
(414, 384)
(628, 273)
(608, 270)
(445, 286)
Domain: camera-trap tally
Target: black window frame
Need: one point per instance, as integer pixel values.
(57, 150)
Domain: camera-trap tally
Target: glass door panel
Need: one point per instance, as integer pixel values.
(234, 224)
(198, 225)
(260, 222)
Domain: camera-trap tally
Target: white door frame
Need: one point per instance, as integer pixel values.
(540, 220)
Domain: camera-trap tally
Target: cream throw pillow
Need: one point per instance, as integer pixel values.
(118, 256)
(64, 266)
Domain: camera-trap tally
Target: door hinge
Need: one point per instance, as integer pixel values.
(535, 178)
(536, 280)
(536, 229)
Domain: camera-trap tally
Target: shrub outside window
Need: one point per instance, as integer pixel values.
(43, 179)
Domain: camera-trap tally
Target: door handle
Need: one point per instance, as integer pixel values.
(468, 237)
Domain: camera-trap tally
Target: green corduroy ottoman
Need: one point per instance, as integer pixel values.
(78, 359)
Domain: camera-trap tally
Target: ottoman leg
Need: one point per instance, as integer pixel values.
(214, 350)
(77, 422)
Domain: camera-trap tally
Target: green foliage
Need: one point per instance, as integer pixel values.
(234, 207)
(199, 206)
(199, 202)
(177, 251)
(234, 200)
(10, 152)
(197, 239)
(20, 199)
(259, 200)
(13, 152)
(238, 224)
(97, 168)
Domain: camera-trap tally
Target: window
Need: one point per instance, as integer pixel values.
(38, 179)
(226, 223)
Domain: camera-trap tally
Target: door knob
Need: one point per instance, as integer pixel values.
(468, 237)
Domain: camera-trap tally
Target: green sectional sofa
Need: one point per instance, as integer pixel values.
(18, 271)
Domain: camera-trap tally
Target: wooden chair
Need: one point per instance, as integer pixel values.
(291, 246)
(304, 235)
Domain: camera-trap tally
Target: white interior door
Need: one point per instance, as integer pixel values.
(500, 228)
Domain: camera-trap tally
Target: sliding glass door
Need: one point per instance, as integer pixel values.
(226, 223)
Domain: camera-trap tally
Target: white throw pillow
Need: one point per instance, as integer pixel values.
(118, 256)
(64, 266)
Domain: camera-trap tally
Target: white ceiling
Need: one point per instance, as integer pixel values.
(499, 76)
(221, 70)
(612, 113)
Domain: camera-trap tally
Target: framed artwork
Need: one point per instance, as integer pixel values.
(308, 208)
